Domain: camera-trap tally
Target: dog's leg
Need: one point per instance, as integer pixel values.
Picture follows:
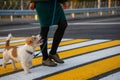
(30, 64)
(14, 66)
(6, 58)
(4, 63)
(26, 69)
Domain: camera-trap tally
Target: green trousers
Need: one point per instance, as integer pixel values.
(45, 13)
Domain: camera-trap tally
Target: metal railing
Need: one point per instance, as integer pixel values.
(71, 13)
(67, 11)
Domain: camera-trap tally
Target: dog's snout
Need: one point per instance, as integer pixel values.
(41, 41)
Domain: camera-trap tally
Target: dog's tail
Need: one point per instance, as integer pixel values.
(8, 40)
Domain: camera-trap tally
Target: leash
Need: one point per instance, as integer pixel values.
(50, 30)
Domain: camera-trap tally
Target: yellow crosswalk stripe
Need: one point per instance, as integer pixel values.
(65, 54)
(0, 55)
(89, 48)
(88, 71)
(16, 38)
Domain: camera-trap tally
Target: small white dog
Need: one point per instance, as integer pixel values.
(22, 54)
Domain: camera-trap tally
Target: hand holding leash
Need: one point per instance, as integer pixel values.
(32, 6)
(64, 5)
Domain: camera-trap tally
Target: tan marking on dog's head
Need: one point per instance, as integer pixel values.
(34, 41)
(29, 41)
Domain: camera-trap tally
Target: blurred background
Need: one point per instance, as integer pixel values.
(15, 10)
(23, 4)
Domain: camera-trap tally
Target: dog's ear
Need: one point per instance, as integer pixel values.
(29, 41)
(38, 35)
(33, 36)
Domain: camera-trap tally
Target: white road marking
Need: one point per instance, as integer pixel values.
(12, 41)
(87, 23)
(2, 37)
(71, 62)
(19, 29)
(100, 20)
(115, 76)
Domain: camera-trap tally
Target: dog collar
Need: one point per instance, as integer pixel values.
(29, 52)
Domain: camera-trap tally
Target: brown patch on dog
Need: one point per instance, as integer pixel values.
(14, 51)
(7, 43)
(29, 41)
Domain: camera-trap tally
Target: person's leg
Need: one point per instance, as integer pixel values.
(46, 61)
(57, 39)
(43, 33)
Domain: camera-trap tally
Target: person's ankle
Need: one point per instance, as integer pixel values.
(52, 53)
(44, 59)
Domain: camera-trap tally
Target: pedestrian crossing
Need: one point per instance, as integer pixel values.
(85, 59)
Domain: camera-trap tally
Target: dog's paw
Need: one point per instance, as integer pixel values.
(15, 69)
(30, 66)
(4, 66)
(28, 72)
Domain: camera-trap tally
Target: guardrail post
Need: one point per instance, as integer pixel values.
(99, 6)
(99, 3)
(71, 7)
(109, 6)
(109, 3)
(73, 15)
(87, 14)
(36, 17)
(11, 18)
(22, 8)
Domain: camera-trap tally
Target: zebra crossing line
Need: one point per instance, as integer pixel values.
(77, 53)
(115, 76)
(107, 76)
(75, 45)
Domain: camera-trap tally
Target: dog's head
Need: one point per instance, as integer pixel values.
(34, 41)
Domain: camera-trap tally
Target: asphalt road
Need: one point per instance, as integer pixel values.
(96, 58)
(93, 28)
